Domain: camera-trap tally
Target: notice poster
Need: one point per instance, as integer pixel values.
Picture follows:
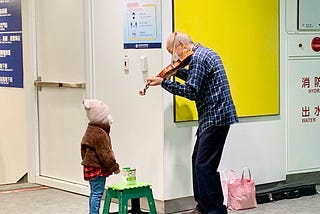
(11, 63)
(142, 26)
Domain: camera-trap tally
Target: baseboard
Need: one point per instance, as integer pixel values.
(295, 185)
(311, 177)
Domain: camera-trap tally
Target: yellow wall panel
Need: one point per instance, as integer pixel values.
(246, 36)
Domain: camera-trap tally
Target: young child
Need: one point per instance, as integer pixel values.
(98, 159)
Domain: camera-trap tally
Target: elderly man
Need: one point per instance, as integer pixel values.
(206, 83)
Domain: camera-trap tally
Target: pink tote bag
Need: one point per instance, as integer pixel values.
(241, 192)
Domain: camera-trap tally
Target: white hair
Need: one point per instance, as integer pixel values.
(176, 37)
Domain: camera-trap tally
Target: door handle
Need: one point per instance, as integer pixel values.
(38, 83)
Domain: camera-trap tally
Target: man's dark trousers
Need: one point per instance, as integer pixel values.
(205, 161)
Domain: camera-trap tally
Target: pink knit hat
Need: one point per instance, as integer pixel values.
(97, 111)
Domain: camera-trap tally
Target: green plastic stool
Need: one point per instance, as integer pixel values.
(125, 192)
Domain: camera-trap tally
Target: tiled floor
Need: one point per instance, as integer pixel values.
(35, 199)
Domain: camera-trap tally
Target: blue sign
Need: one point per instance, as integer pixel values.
(11, 59)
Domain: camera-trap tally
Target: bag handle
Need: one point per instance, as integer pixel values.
(230, 174)
(249, 173)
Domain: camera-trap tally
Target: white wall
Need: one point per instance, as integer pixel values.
(137, 131)
(13, 137)
(15, 121)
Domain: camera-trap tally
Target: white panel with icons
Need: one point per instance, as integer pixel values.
(308, 15)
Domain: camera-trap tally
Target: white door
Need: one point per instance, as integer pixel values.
(61, 68)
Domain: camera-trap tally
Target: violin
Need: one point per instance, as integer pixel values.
(171, 69)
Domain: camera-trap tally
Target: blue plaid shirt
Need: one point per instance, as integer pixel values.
(206, 83)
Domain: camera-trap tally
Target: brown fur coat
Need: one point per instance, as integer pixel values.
(96, 149)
